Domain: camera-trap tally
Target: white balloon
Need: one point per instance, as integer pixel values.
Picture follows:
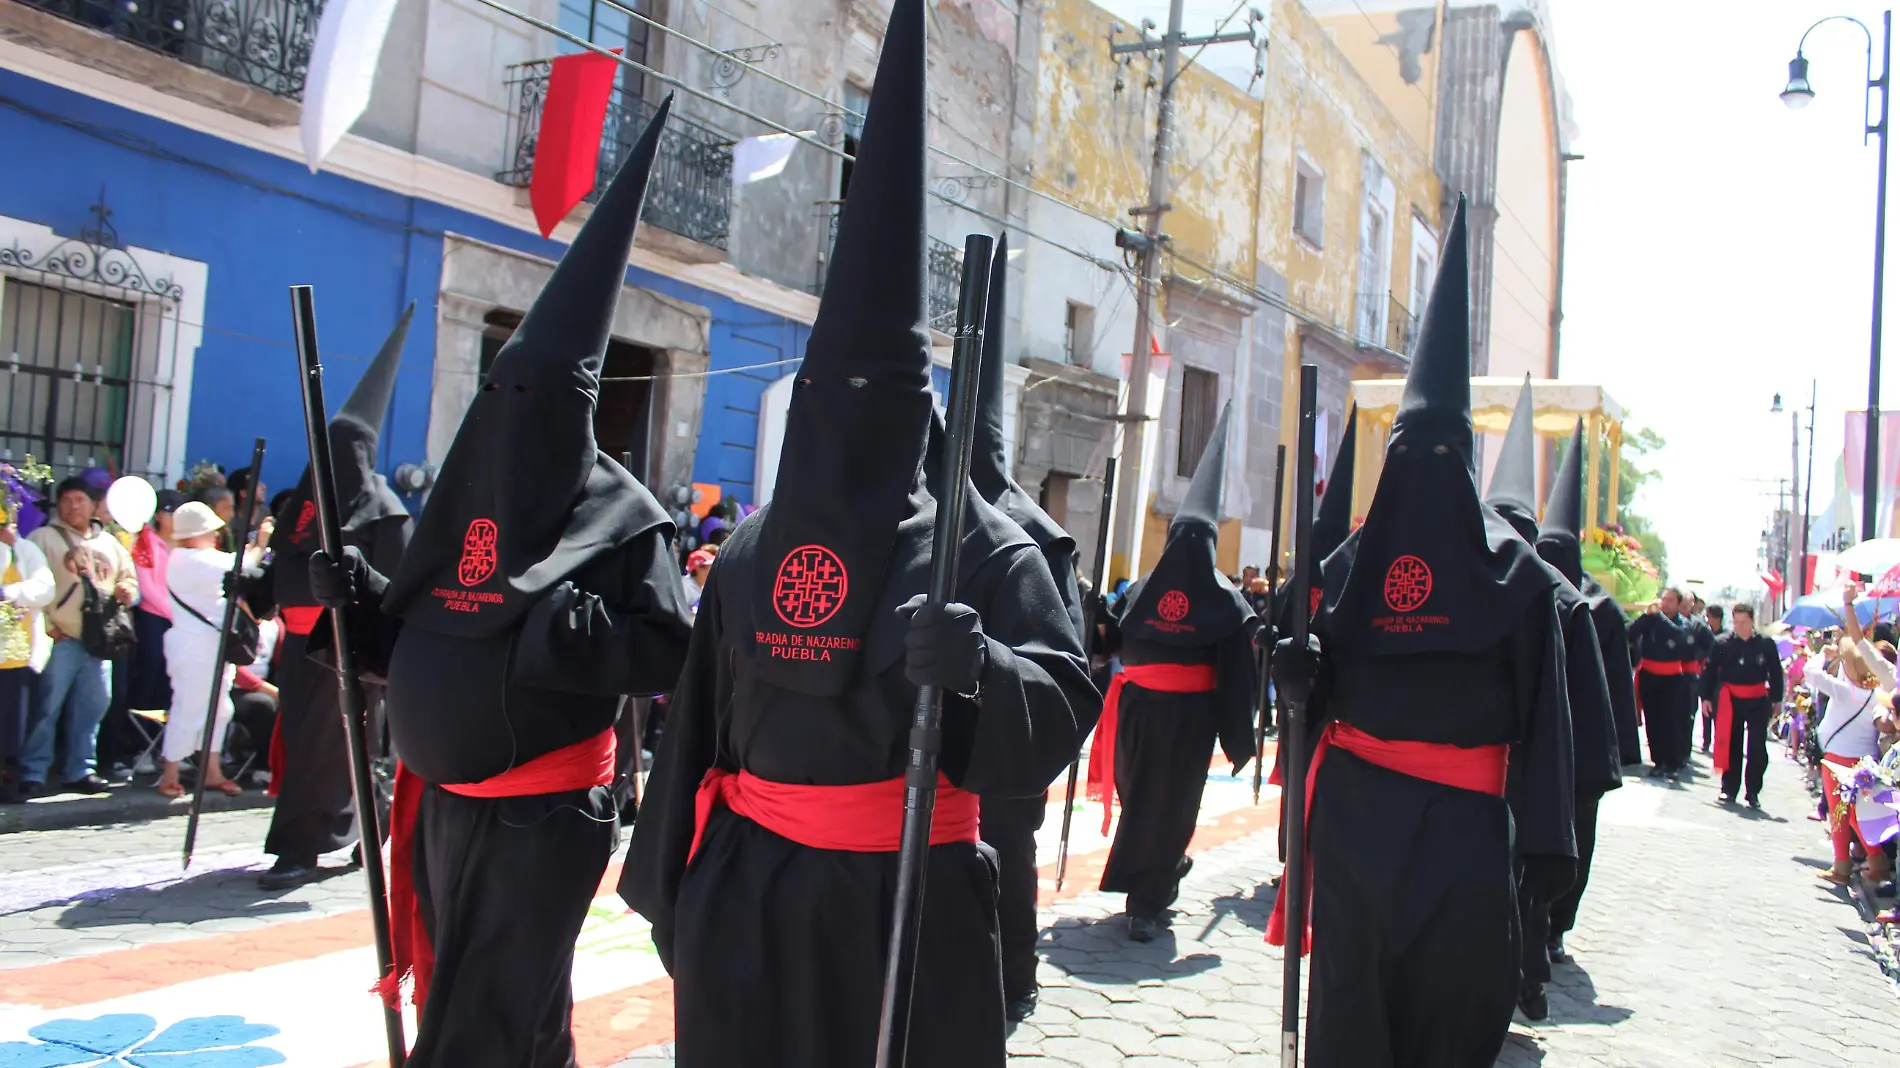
(131, 501)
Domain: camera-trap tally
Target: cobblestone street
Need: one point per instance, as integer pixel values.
(1705, 940)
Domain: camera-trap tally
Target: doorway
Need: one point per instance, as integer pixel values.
(623, 420)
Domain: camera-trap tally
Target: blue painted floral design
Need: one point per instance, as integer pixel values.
(126, 1040)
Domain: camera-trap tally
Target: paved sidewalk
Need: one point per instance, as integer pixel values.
(1705, 940)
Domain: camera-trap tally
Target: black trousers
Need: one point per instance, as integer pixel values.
(1751, 718)
(1668, 706)
(1563, 912)
(504, 885)
(1009, 826)
(138, 681)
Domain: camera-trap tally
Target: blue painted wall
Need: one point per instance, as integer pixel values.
(262, 224)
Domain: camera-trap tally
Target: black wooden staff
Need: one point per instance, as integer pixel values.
(1293, 731)
(1265, 712)
(303, 311)
(207, 751)
(1090, 617)
(926, 739)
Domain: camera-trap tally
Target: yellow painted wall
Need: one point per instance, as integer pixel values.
(1523, 267)
(1396, 52)
(1094, 146)
(1318, 104)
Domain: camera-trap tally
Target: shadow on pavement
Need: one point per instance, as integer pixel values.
(1097, 950)
(1251, 910)
(214, 895)
(1573, 998)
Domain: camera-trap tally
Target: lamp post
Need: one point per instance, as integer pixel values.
(1797, 95)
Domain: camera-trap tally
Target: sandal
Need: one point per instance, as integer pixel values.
(227, 787)
(173, 789)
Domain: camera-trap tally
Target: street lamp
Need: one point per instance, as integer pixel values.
(1797, 95)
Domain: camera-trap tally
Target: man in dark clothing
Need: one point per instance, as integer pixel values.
(1593, 716)
(309, 751)
(765, 855)
(1593, 752)
(1438, 648)
(538, 590)
(1009, 824)
(1741, 684)
(1189, 677)
(1712, 616)
(1613, 640)
(1665, 642)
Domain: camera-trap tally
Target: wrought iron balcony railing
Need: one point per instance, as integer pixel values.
(941, 283)
(691, 190)
(1380, 321)
(261, 43)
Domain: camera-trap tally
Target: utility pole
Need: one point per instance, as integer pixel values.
(1807, 484)
(1146, 244)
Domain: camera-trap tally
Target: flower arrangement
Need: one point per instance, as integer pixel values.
(1617, 561)
(17, 483)
(1872, 791)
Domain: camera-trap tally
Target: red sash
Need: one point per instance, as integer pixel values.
(1657, 667)
(1162, 678)
(1725, 715)
(579, 766)
(861, 818)
(302, 619)
(1480, 769)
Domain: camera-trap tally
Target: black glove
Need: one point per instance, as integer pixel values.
(1296, 670)
(239, 583)
(1263, 637)
(336, 585)
(944, 646)
(1547, 878)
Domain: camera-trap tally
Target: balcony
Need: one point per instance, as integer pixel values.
(691, 190)
(1381, 322)
(262, 44)
(942, 282)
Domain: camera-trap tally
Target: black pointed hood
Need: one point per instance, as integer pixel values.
(989, 452)
(1333, 521)
(1513, 490)
(1432, 569)
(362, 494)
(1560, 537)
(1185, 600)
(525, 498)
(861, 402)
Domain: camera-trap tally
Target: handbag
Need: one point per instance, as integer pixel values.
(105, 626)
(242, 641)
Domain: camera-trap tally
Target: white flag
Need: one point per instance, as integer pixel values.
(755, 159)
(342, 71)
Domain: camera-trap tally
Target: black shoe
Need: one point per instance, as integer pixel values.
(1556, 952)
(1655, 772)
(1727, 799)
(356, 856)
(286, 874)
(1672, 774)
(1535, 1004)
(1143, 928)
(30, 789)
(91, 784)
(1020, 1008)
(1754, 803)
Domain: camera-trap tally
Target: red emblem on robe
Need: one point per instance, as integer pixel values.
(1173, 606)
(478, 552)
(811, 586)
(304, 518)
(1408, 582)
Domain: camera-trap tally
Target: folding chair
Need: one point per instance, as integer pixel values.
(149, 723)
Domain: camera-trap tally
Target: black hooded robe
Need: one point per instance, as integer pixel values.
(315, 811)
(777, 949)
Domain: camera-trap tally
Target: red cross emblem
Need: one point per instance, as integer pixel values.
(1173, 606)
(1407, 583)
(478, 552)
(811, 586)
(304, 518)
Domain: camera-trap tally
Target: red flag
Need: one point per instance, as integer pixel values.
(567, 148)
(1774, 582)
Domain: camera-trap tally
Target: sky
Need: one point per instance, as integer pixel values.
(1720, 249)
(1719, 246)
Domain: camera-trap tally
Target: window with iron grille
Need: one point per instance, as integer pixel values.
(66, 383)
(1200, 406)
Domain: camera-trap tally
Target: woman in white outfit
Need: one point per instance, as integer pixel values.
(195, 576)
